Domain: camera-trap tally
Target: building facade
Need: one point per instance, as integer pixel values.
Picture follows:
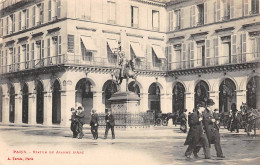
(58, 54)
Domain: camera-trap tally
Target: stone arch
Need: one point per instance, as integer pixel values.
(56, 102)
(25, 102)
(178, 98)
(11, 91)
(85, 88)
(39, 87)
(179, 81)
(154, 97)
(135, 89)
(227, 94)
(201, 92)
(253, 92)
(108, 89)
(231, 78)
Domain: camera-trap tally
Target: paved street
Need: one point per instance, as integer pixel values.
(159, 145)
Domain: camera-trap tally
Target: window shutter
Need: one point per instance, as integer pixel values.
(207, 47)
(243, 47)
(234, 49)
(182, 19)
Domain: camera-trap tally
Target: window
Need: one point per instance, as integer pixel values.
(33, 16)
(254, 6)
(232, 9)
(217, 11)
(32, 50)
(243, 46)
(208, 61)
(112, 12)
(171, 28)
(170, 56)
(49, 10)
(27, 53)
(27, 18)
(70, 43)
(13, 22)
(58, 10)
(48, 47)
(134, 16)
(86, 9)
(200, 14)
(19, 54)
(42, 13)
(178, 20)
(7, 25)
(156, 60)
(20, 21)
(155, 20)
(245, 8)
(216, 50)
(226, 5)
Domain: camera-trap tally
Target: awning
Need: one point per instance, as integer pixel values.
(89, 43)
(113, 45)
(137, 50)
(158, 51)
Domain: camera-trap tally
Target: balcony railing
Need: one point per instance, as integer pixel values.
(216, 61)
(75, 60)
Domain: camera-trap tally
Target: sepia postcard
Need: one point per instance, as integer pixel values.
(129, 82)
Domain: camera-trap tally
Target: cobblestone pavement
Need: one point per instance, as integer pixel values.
(158, 145)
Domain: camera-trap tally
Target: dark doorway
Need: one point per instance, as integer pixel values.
(178, 98)
(109, 88)
(56, 103)
(12, 105)
(154, 102)
(39, 103)
(253, 92)
(25, 104)
(227, 95)
(201, 92)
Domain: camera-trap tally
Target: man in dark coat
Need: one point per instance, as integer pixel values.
(217, 117)
(196, 136)
(74, 123)
(212, 131)
(80, 117)
(183, 118)
(236, 119)
(110, 123)
(94, 124)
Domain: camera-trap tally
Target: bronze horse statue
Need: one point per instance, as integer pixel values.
(126, 72)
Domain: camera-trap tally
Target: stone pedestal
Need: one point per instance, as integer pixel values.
(125, 108)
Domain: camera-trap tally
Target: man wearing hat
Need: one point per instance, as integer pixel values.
(80, 116)
(196, 136)
(216, 116)
(211, 129)
(74, 123)
(110, 123)
(94, 124)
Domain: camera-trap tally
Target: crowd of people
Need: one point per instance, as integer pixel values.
(77, 122)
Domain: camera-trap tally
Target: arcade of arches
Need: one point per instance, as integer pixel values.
(40, 105)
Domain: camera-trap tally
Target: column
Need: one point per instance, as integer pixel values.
(47, 114)
(166, 103)
(241, 97)
(214, 95)
(32, 108)
(144, 102)
(18, 109)
(67, 101)
(97, 102)
(6, 104)
(189, 101)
